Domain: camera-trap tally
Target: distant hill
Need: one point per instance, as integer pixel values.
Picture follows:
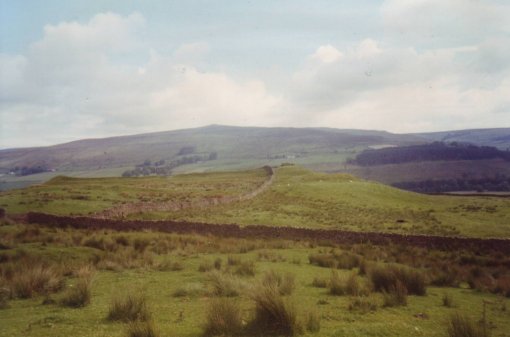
(230, 143)
(218, 147)
(499, 137)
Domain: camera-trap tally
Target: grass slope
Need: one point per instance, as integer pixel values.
(66, 195)
(307, 199)
(298, 197)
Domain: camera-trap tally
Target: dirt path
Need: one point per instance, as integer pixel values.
(120, 211)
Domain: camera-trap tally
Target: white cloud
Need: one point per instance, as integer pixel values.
(327, 54)
(79, 80)
(71, 85)
(403, 90)
(440, 22)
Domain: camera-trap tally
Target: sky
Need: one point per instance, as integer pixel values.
(85, 69)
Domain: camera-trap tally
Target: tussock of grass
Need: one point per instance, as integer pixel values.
(447, 300)
(30, 278)
(313, 321)
(223, 318)
(169, 265)
(205, 266)
(224, 284)
(273, 315)
(80, 294)
(395, 296)
(386, 278)
(462, 326)
(190, 290)
(246, 268)
(141, 329)
(319, 282)
(362, 304)
(345, 286)
(129, 307)
(283, 282)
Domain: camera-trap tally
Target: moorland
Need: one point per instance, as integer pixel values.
(63, 281)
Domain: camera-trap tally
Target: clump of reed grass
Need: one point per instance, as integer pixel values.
(129, 307)
(223, 318)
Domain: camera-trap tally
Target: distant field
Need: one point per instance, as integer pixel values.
(297, 198)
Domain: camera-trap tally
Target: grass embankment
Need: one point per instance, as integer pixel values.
(184, 285)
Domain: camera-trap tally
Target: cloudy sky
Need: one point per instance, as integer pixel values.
(81, 69)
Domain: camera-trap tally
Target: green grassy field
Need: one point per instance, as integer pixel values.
(306, 199)
(296, 198)
(148, 271)
(67, 195)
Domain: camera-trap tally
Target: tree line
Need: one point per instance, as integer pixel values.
(428, 152)
(163, 168)
(498, 183)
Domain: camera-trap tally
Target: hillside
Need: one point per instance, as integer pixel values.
(499, 137)
(297, 197)
(213, 148)
(231, 143)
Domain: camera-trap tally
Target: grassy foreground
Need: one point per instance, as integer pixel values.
(174, 281)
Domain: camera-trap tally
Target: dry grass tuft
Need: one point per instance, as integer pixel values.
(223, 318)
(273, 315)
(129, 307)
(462, 326)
